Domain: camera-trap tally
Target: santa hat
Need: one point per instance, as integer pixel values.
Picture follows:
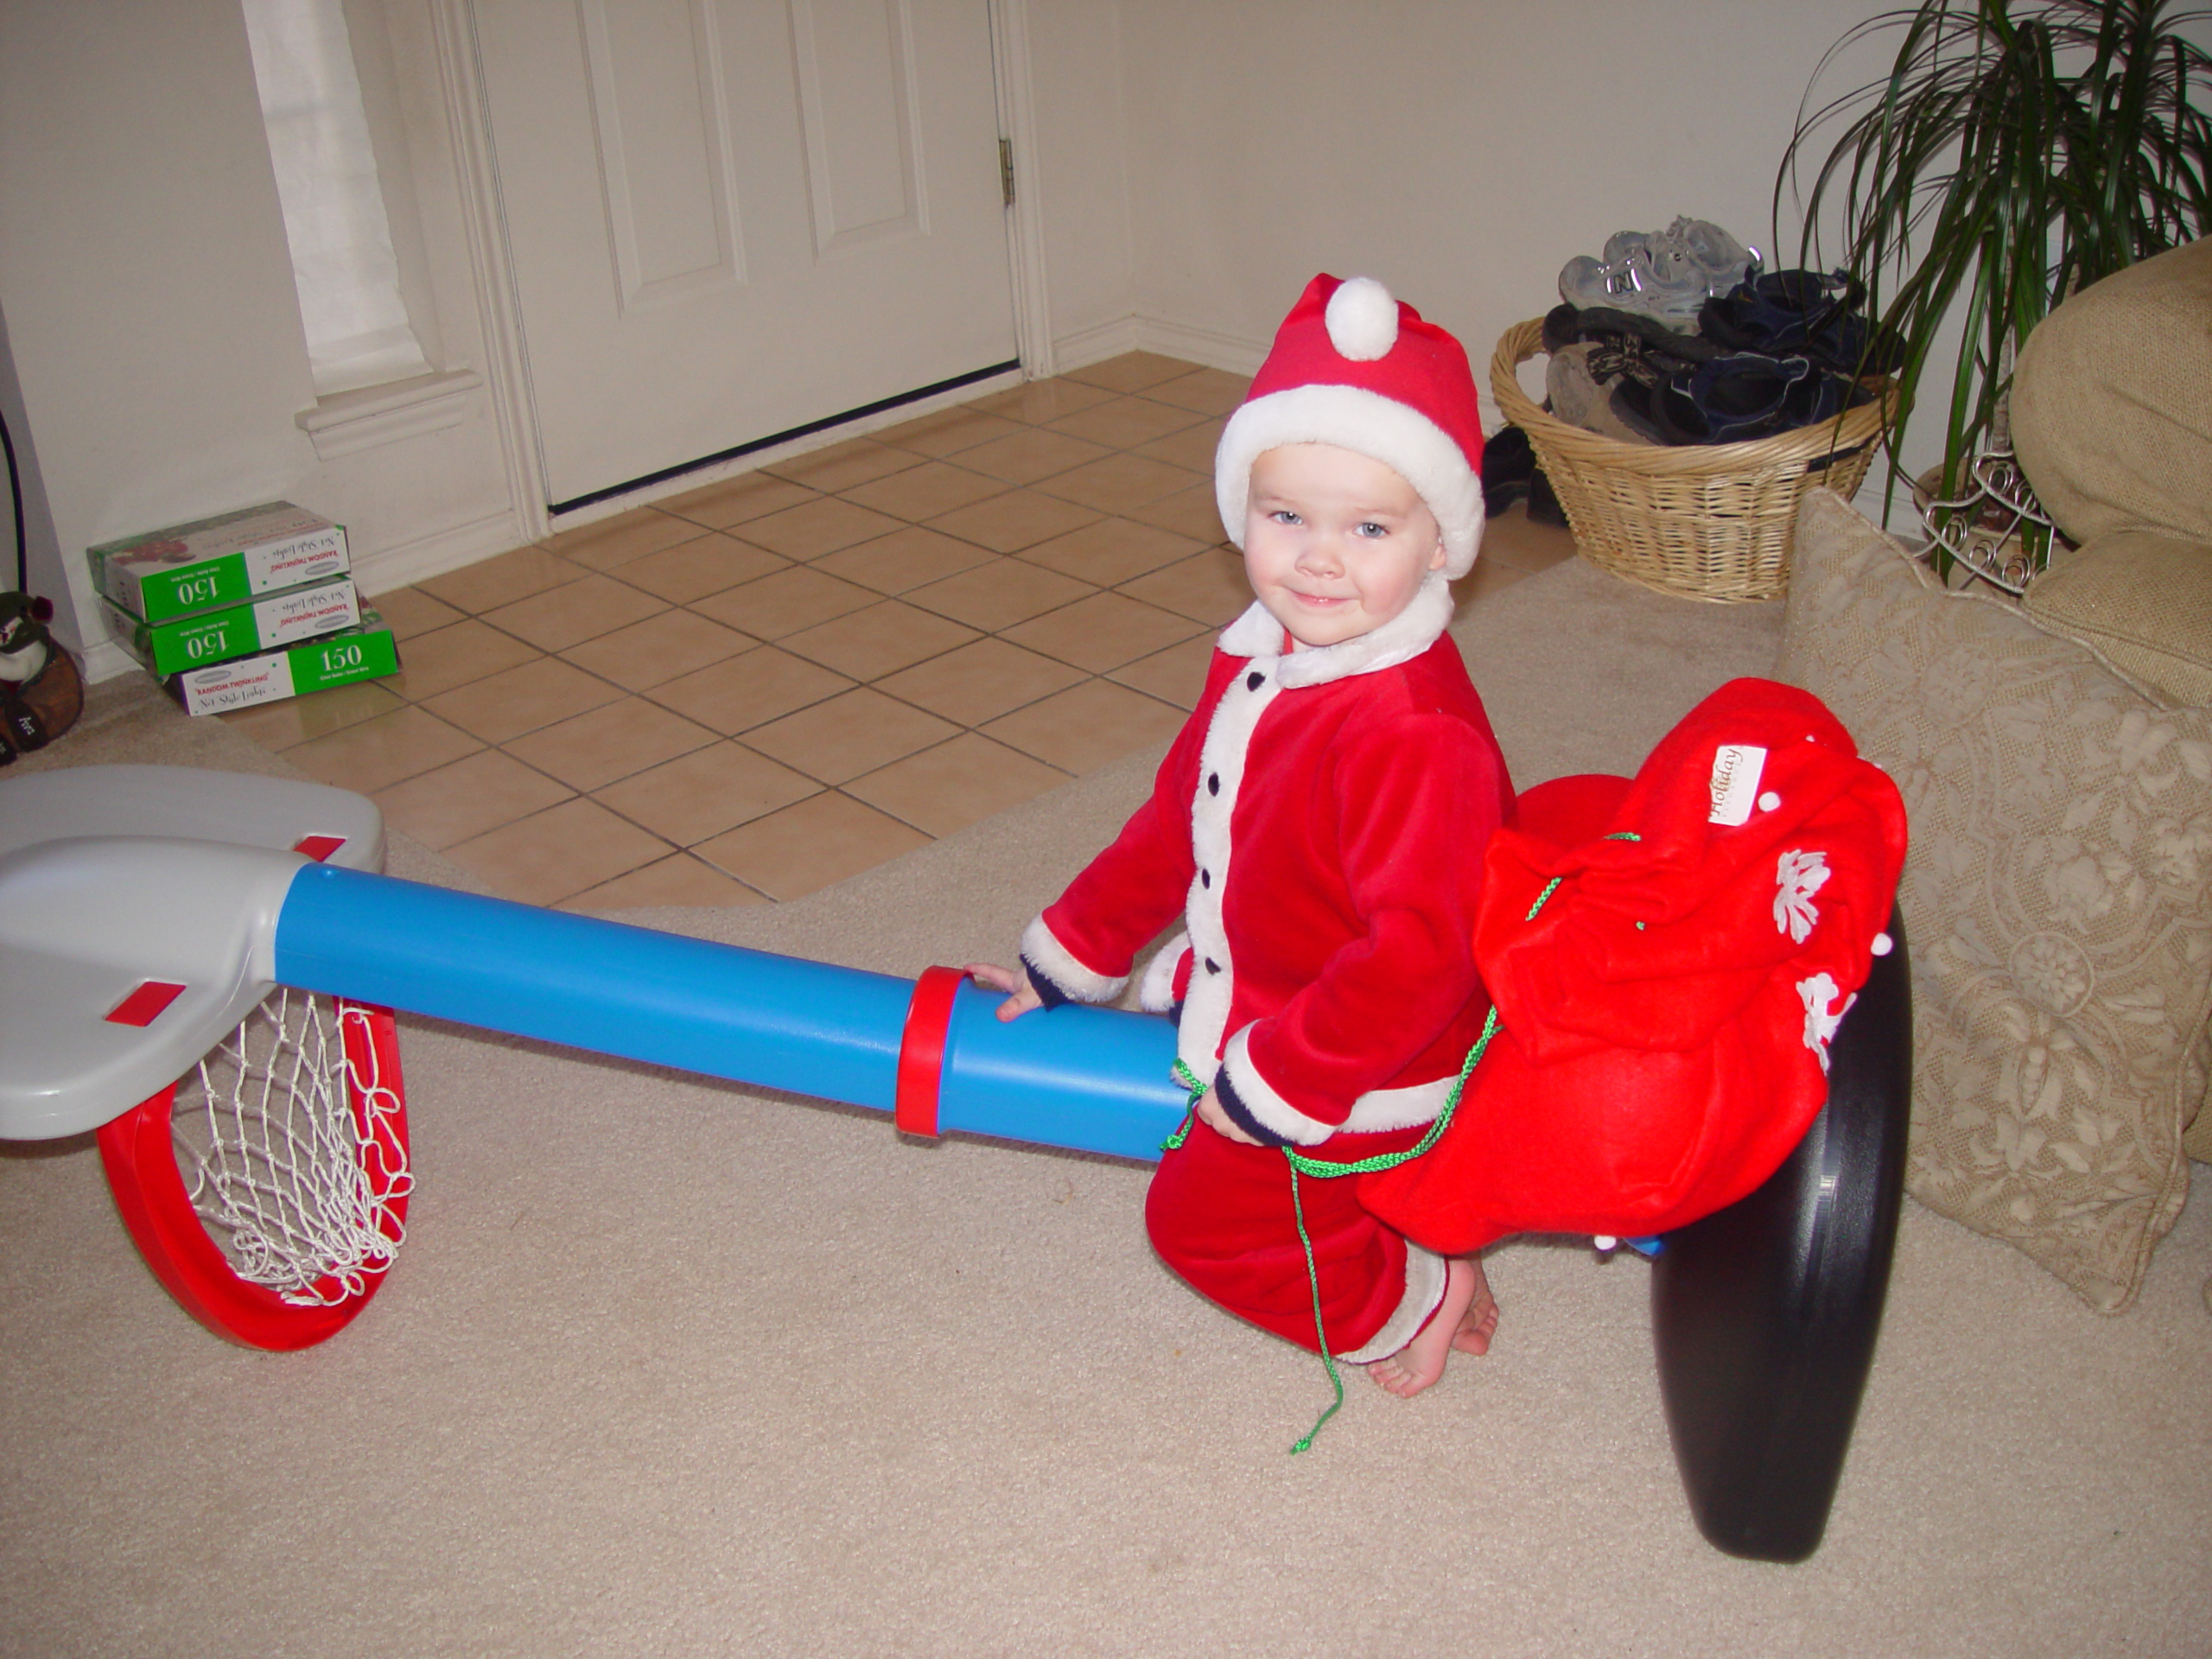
(1353, 366)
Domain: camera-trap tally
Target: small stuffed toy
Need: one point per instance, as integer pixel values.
(24, 643)
(41, 693)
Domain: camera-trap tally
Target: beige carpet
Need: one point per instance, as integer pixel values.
(668, 1368)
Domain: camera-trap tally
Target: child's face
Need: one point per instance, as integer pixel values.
(1335, 544)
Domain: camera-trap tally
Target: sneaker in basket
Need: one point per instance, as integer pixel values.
(1692, 246)
(1667, 274)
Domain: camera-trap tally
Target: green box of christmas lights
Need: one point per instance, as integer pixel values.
(366, 653)
(219, 561)
(209, 636)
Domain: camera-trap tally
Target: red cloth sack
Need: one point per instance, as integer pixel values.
(1664, 1014)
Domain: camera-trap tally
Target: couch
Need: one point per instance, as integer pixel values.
(2056, 756)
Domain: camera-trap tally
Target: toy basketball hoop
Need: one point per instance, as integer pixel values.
(267, 1188)
(255, 1139)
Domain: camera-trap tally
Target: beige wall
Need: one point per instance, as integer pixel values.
(1460, 151)
(148, 289)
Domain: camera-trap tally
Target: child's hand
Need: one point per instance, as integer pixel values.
(1022, 994)
(1211, 1114)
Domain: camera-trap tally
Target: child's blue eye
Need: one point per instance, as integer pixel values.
(1370, 528)
(1284, 516)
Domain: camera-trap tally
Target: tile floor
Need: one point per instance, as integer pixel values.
(742, 693)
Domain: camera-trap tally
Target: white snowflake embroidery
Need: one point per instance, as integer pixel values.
(1801, 874)
(1820, 1025)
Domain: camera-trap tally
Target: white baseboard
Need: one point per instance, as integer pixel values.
(105, 660)
(1231, 353)
(1095, 344)
(381, 569)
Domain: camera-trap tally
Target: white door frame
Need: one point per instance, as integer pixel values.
(1033, 330)
(468, 121)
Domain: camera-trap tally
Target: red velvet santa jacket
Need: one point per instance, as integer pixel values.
(1320, 822)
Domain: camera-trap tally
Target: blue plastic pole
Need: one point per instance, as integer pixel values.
(1090, 1079)
(1093, 1079)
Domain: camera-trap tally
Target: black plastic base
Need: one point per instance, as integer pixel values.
(1764, 1315)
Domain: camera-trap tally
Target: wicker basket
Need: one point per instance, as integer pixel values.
(1704, 521)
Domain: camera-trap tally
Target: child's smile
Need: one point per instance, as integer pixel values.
(1336, 544)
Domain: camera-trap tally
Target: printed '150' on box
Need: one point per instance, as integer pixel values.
(367, 652)
(213, 637)
(218, 561)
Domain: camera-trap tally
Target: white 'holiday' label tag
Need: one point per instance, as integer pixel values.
(1736, 771)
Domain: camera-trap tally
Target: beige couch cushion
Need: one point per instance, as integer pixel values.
(2143, 600)
(2058, 899)
(2112, 402)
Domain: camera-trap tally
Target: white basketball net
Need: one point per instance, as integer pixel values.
(293, 1175)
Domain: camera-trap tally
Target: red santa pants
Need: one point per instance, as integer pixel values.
(1220, 1214)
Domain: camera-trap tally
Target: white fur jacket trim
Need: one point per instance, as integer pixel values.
(1077, 983)
(1404, 637)
(1373, 1113)
(1156, 991)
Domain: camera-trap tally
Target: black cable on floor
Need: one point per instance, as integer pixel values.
(15, 493)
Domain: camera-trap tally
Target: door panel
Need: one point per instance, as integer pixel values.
(654, 70)
(856, 80)
(726, 219)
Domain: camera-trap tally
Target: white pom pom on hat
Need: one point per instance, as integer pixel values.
(1362, 319)
(1353, 366)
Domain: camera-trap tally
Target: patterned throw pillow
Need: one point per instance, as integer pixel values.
(2057, 900)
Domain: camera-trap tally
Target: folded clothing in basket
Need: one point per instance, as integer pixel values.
(1777, 350)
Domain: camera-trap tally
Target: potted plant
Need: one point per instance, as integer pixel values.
(2017, 150)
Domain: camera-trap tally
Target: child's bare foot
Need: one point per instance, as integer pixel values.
(1466, 1320)
(1479, 1323)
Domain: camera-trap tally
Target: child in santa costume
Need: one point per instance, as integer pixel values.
(1319, 824)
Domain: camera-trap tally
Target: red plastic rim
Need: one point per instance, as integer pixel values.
(140, 1156)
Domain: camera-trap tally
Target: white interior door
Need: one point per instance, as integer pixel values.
(729, 218)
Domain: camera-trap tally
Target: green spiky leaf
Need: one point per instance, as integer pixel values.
(2014, 153)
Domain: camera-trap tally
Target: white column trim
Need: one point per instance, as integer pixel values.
(468, 120)
(1024, 237)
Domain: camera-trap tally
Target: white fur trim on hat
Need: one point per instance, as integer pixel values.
(1362, 319)
(1367, 423)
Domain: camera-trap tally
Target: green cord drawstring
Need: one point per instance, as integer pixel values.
(1313, 1284)
(1196, 1090)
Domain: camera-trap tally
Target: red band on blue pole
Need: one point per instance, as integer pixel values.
(921, 1050)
